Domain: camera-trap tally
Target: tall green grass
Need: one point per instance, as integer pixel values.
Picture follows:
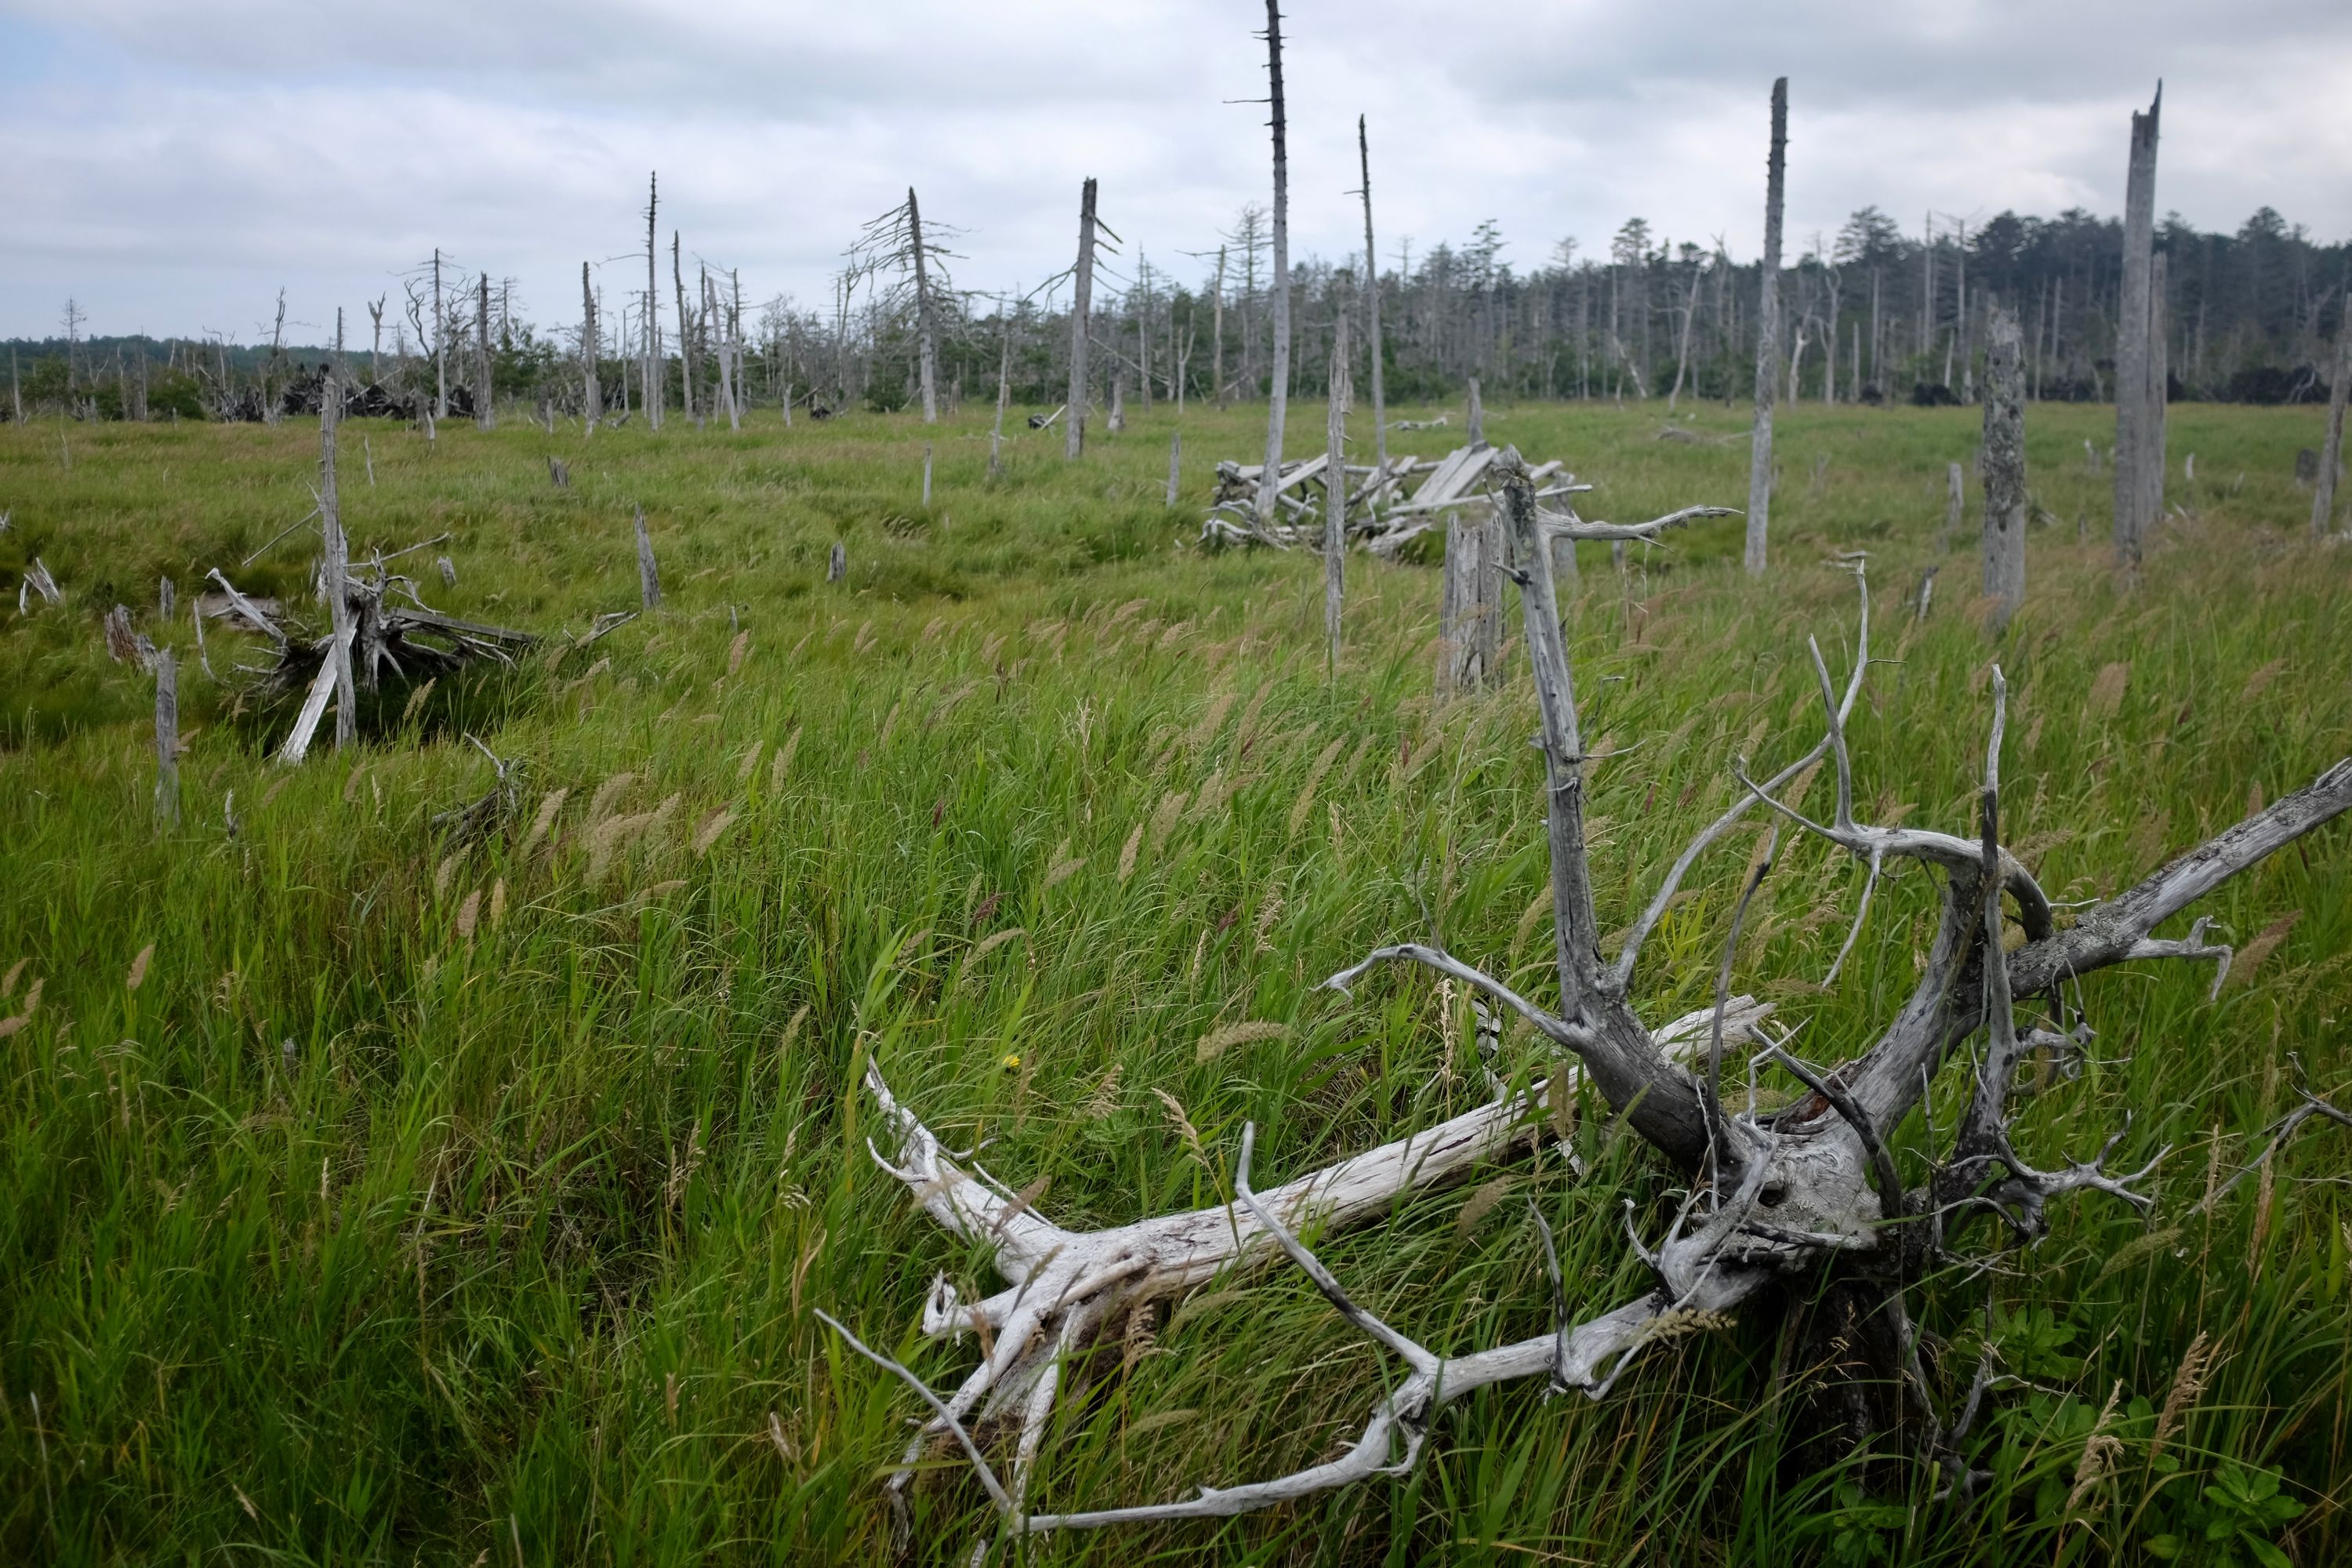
(423, 1200)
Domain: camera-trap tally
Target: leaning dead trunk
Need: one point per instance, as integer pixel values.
(2331, 456)
(2004, 467)
(485, 415)
(2133, 510)
(1269, 482)
(1768, 337)
(1074, 433)
(1372, 306)
(1335, 496)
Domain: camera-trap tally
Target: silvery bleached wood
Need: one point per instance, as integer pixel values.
(1768, 329)
(314, 701)
(686, 327)
(167, 739)
(1116, 422)
(1475, 427)
(836, 564)
(336, 572)
(648, 575)
(1216, 331)
(1278, 398)
(2004, 467)
(591, 400)
(166, 598)
(2331, 456)
(1175, 463)
(1372, 302)
(440, 345)
(1470, 612)
(1681, 354)
(1956, 490)
(2160, 387)
(1335, 496)
(1074, 434)
(926, 475)
(2132, 513)
(485, 397)
(1806, 1191)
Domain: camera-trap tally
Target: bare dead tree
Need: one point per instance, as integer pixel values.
(2159, 388)
(1216, 333)
(2331, 456)
(2134, 511)
(591, 400)
(440, 343)
(1474, 425)
(1956, 492)
(1335, 495)
(485, 411)
(651, 393)
(2004, 466)
(1074, 433)
(1814, 1189)
(894, 241)
(1175, 463)
(1372, 305)
(1681, 354)
(1270, 483)
(686, 328)
(1767, 328)
(337, 566)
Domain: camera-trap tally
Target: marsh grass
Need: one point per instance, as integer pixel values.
(423, 1199)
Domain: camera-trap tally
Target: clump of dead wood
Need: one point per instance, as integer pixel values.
(1815, 1187)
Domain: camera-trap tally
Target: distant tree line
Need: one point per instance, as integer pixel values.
(1872, 313)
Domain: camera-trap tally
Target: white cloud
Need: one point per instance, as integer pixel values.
(170, 167)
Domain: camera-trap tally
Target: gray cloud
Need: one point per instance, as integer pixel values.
(172, 166)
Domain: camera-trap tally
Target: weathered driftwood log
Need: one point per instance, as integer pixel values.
(1813, 1189)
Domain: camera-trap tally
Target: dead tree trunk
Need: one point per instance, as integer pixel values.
(167, 737)
(1073, 431)
(648, 576)
(1176, 455)
(1372, 306)
(925, 326)
(1003, 394)
(2133, 511)
(1768, 338)
(2331, 456)
(484, 413)
(650, 365)
(591, 400)
(1955, 502)
(2159, 387)
(1475, 427)
(1470, 612)
(1270, 483)
(686, 365)
(338, 565)
(440, 342)
(1216, 333)
(1335, 496)
(1682, 355)
(2004, 467)
(1117, 421)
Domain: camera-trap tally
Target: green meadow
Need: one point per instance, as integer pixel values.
(379, 1194)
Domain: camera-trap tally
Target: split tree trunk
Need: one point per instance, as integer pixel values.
(1269, 482)
(1335, 496)
(2133, 511)
(1768, 337)
(2331, 456)
(2004, 467)
(1074, 432)
(926, 329)
(1475, 427)
(2159, 387)
(1372, 307)
(485, 415)
(1470, 614)
(685, 368)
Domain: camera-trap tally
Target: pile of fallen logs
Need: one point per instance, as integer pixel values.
(1382, 518)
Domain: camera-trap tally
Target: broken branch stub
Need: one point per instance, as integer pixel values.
(1815, 1186)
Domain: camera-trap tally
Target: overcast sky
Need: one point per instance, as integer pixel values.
(171, 165)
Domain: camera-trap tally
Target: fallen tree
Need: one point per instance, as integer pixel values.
(1813, 1187)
